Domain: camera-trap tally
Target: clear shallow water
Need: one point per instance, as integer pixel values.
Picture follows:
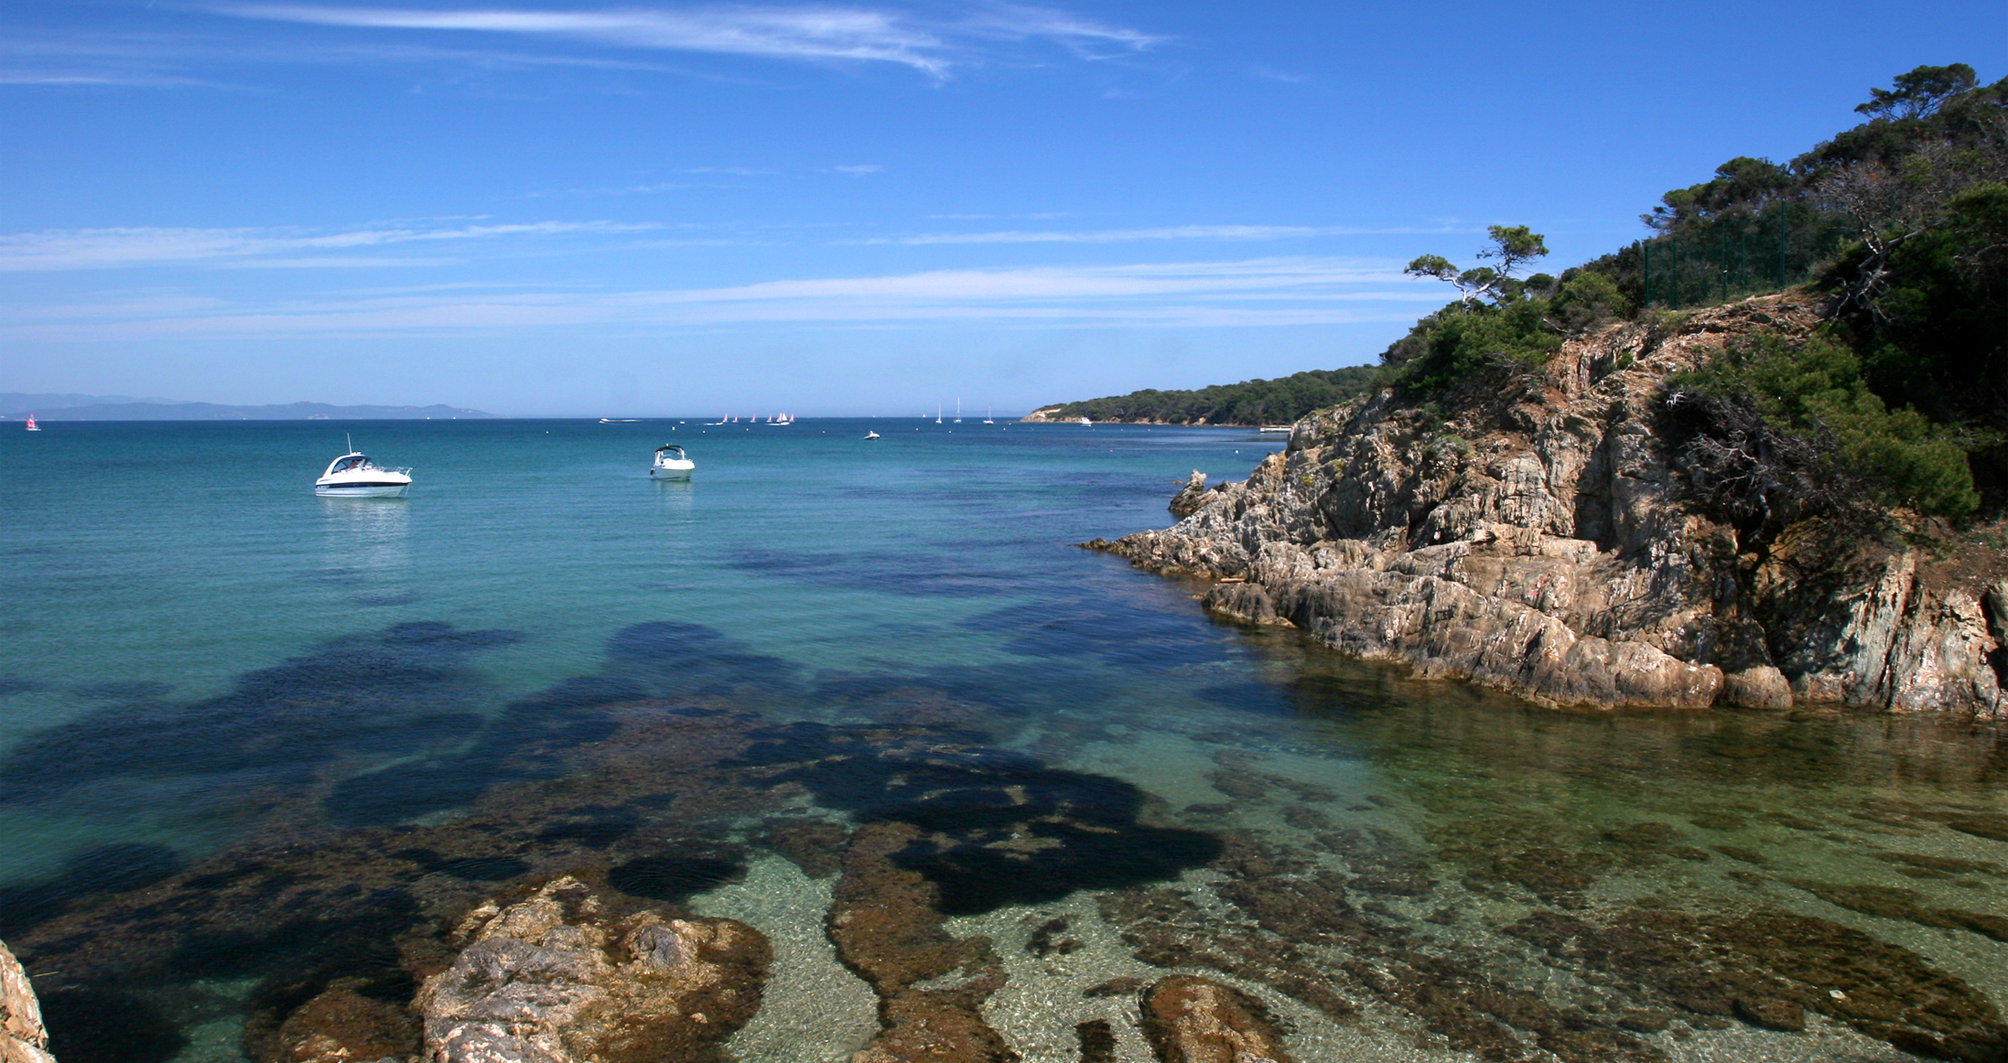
(208, 669)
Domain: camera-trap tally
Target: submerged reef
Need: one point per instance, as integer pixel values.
(537, 889)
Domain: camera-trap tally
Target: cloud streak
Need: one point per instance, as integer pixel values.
(1245, 293)
(1174, 232)
(126, 248)
(821, 33)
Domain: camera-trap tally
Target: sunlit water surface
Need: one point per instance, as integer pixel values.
(208, 671)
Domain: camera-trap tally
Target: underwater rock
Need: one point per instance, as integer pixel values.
(996, 827)
(1992, 825)
(1194, 1020)
(1760, 966)
(22, 1038)
(814, 845)
(886, 923)
(342, 1026)
(1098, 1041)
(562, 975)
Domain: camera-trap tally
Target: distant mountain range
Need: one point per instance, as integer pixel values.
(16, 406)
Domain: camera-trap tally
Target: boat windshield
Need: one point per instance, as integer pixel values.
(671, 452)
(349, 463)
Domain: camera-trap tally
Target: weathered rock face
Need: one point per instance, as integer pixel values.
(22, 1038)
(1536, 540)
(557, 977)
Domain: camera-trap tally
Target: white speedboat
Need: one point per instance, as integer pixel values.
(871, 435)
(354, 475)
(671, 464)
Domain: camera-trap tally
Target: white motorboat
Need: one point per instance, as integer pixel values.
(354, 475)
(1086, 421)
(671, 464)
(871, 435)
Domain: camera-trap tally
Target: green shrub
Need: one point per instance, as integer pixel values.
(1459, 341)
(1816, 391)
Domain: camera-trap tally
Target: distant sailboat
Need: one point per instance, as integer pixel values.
(958, 409)
(32, 426)
(937, 413)
(986, 416)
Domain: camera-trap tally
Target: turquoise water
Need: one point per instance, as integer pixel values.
(205, 665)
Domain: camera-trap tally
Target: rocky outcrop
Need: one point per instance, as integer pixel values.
(1536, 537)
(1196, 1020)
(559, 977)
(22, 1038)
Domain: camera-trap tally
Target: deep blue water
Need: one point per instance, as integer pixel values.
(202, 659)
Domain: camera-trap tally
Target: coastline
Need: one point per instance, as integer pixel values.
(1534, 538)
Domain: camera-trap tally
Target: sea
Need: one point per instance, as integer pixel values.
(255, 743)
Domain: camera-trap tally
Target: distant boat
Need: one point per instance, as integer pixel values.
(32, 426)
(986, 416)
(958, 410)
(1274, 428)
(871, 435)
(617, 420)
(354, 475)
(1086, 421)
(937, 413)
(671, 464)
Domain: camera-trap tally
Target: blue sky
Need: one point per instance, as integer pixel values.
(639, 207)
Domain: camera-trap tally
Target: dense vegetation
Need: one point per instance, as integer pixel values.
(1901, 222)
(1279, 401)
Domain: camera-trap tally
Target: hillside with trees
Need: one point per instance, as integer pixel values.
(1897, 227)
(1251, 402)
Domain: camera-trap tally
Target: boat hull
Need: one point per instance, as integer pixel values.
(361, 490)
(672, 471)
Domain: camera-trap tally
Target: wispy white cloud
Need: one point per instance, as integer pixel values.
(1269, 73)
(1243, 293)
(816, 32)
(859, 170)
(1111, 236)
(72, 249)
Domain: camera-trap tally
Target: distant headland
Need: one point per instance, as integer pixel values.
(15, 406)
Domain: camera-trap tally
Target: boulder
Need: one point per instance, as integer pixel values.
(22, 1038)
(558, 978)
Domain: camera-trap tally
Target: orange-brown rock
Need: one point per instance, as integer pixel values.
(1194, 1020)
(887, 926)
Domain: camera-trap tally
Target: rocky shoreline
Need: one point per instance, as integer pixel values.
(1535, 538)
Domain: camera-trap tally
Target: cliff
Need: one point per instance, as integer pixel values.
(1533, 532)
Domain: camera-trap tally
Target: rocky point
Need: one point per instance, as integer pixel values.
(1534, 532)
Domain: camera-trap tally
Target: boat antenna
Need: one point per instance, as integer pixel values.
(350, 440)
